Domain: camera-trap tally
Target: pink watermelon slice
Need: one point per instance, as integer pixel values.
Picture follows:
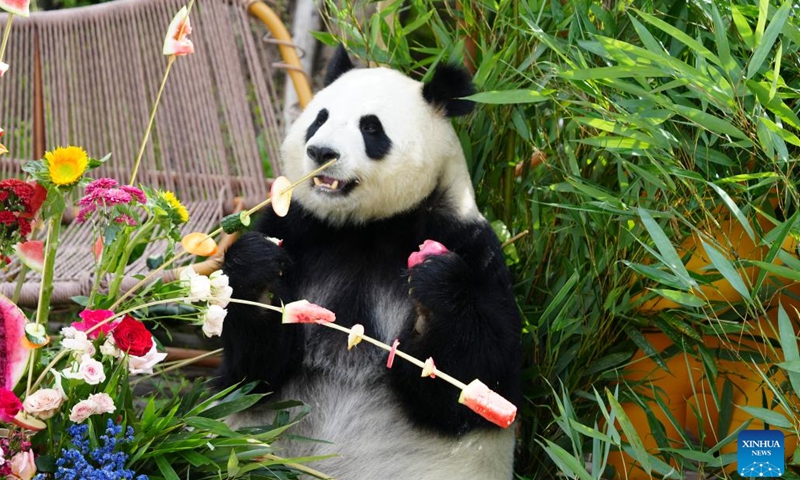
(31, 253)
(176, 43)
(488, 404)
(13, 356)
(303, 311)
(428, 248)
(17, 7)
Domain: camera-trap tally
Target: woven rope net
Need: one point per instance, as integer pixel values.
(97, 71)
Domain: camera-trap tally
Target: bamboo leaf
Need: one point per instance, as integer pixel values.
(696, 47)
(708, 121)
(785, 135)
(686, 299)
(639, 452)
(789, 346)
(566, 462)
(743, 27)
(166, 469)
(665, 248)
(735, 211)
(773, 104)
(725, 267)
(779, 270)
(721, 37)
(504, 97)
(774, 419)
(619, 71)
(768, 40)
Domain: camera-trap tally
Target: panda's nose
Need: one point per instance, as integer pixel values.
(321, 155)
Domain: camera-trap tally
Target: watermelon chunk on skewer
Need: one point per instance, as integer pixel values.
(31, 253)
(13, 355)
(303, 311)
(428, 248)
(488, 404)
(17, 7)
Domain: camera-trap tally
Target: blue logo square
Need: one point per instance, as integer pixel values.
(760, 453)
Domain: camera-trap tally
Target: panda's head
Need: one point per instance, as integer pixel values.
(392, 139)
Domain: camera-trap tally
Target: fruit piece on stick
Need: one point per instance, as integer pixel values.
(355, 335)
(488, 404)
(428, 248)
(200, 244)
(17, 7)
(303, 311)
(281, 195)
(31, 253)
(13, 355)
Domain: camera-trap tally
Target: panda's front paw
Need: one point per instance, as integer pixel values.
(254, 264)
(441, 284)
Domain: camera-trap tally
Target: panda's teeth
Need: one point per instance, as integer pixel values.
(317, 181)
(335, 185)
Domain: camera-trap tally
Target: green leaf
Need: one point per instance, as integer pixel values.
(233, 464)
(785, 135)
(166, 469)
(683, 298)
(213, 426)
(655, 274)
(721, 37)
(511, 96)
(708, 121)
(619, 71)
(774, 419)
(696, 47)
(668, 254)
(789, 346)
(724, 266)
(566, 462)
(735, 210)
(639, 452)
(768, 40)
(225, 408)
(779, 270)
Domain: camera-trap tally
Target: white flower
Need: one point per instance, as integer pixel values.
(109, 348)
(78, 342)
(199, 285)
(83, 410)
(91, 370)
(213, 319)
(103, 403)
(144, 365)
(221, 297)
(72, 372)
(218, 280)
(69, 332)
(43, 403)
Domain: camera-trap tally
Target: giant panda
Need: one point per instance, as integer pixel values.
(400, 178)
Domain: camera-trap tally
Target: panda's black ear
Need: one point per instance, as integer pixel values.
(445, 89)
(338, 65)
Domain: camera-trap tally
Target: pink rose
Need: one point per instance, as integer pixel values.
(10, 405)
(91, 371)
(23, 465)
(82, 410)
(103, 402)
(92, 318)
(43, 403)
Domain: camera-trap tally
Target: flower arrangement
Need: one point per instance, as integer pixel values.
(67, 403)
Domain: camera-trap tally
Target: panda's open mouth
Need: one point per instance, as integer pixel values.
(333, 186)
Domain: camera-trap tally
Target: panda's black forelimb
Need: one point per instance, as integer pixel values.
(256, 347)
(467, 321)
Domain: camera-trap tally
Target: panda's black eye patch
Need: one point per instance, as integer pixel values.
(376, 143)
(322, 117)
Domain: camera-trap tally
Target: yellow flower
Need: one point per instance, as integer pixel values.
(176, 205)
(66, 164)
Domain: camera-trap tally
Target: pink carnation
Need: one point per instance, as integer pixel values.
(135, 193)
(92, 318)
(101, 183)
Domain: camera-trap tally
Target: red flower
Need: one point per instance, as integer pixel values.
(10, 405)
(90, 318)
(132, 336)
(36, 201)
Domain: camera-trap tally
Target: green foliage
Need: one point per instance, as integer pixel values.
(614, 132)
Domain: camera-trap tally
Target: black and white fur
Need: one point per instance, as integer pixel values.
(401, 178)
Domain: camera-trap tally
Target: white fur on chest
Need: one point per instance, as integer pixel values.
(372, 439)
